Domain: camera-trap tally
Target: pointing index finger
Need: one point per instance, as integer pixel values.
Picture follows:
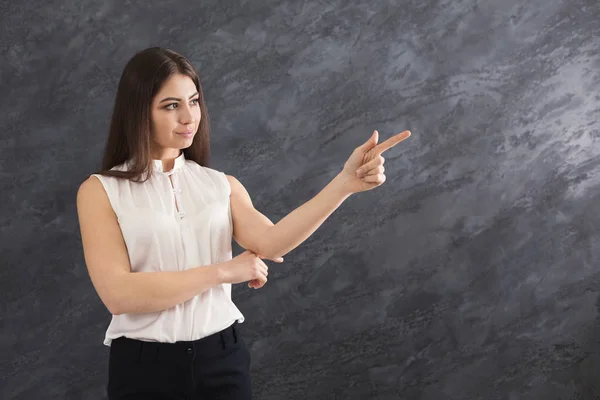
(391, 142)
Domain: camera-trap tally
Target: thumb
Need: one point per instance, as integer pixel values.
(372, 142)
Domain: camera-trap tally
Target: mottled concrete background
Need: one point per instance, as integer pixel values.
(472, 273)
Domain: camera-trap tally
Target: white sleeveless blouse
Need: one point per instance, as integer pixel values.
(176, 220)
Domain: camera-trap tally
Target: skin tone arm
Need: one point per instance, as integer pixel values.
(255, 232)
(106, 257)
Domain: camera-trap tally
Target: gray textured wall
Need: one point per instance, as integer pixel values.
(472, 273)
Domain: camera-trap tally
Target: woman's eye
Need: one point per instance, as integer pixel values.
(172, 106)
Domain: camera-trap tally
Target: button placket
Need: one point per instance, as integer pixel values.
(176, 193)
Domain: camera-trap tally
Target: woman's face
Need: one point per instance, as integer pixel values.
(175, 116)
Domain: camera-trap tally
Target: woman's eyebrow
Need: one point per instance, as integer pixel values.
(174, 98)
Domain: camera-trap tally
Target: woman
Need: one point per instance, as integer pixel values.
(157, 223)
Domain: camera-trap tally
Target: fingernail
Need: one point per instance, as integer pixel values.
(360, 172)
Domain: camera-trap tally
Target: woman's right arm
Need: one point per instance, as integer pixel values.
(105, 253)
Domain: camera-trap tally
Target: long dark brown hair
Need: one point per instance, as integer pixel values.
(129, 133)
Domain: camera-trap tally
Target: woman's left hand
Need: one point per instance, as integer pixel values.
(368, 160)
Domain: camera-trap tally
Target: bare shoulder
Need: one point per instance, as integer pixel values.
(91, 190)
(90, 184)
(92, 198)
(236, 185)
(232, 180)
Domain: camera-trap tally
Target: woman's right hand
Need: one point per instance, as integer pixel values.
(248, 267)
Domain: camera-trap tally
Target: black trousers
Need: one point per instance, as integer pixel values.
(214, 367)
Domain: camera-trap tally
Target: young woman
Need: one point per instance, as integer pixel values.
(157, 223)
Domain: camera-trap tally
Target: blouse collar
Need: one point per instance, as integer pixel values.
(179, 162)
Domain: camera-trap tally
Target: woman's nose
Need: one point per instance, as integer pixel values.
(186, 116)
